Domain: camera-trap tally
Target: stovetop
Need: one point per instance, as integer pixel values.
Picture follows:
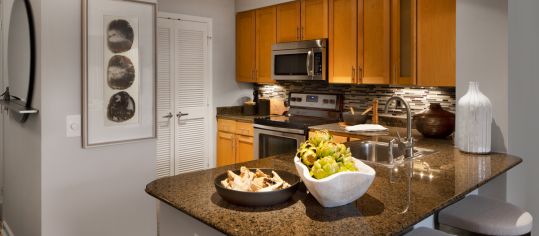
(307, 110)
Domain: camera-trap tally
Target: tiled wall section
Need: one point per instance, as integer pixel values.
(361, 96)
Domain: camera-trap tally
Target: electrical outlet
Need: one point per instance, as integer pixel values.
(73, 126)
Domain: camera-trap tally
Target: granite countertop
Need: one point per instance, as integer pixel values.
(394, 203)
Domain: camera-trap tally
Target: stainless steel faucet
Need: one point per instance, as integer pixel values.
(409, 143)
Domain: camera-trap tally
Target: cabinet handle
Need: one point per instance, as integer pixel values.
(180, 114)
(169, 116)
(353, 74)
(298, 35)
(302, 32)
(359, 75)
(394, 73)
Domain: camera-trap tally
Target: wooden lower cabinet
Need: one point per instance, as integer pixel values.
(234, 142)
(225, 149)
(244, 148)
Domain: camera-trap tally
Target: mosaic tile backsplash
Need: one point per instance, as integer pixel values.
(361, 96)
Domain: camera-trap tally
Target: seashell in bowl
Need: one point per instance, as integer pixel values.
(338, 189)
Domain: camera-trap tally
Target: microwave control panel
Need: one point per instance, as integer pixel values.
(318, 62)
(321, 101)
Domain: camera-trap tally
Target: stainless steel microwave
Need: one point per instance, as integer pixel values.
(302, 60)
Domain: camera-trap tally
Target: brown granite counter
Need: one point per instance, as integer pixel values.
(398, 198)
(237, 117)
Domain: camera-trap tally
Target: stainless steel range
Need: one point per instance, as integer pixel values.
(283, 134)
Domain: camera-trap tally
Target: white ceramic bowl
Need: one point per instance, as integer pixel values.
(338, 189)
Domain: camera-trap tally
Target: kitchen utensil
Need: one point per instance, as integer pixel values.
(249, 108)
(352, 110)
(258, 199)
(354, 119)
(263, 107)
(277, 106)
(365, 128)
(375, 111)
(366, 111)
(338, 189)
(435, 122)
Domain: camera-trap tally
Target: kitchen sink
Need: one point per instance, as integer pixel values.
(378, 152)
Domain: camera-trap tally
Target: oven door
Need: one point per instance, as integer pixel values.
(299, 64)
(271, 141)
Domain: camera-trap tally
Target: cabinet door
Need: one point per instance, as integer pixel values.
(244, 148)
(265, 38)
(288, 22)
(314, 19)
(376, 42)
(403, 42)
(245, 46)
(436, 36)
(342, 41)
(225, 149)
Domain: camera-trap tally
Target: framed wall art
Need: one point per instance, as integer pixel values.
(119, 71)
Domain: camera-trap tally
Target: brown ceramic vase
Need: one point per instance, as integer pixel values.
(435, 122)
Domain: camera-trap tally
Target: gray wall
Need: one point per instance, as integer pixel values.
(482, 55)
(244, 5)
(523, 113)
(22, 162)
(85, 192)
(226, 91)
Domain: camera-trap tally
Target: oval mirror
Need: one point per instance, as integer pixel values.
(21, 55)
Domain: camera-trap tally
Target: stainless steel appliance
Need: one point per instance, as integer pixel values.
(282, 134)
(302, 60)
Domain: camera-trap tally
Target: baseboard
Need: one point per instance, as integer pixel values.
(6, 231)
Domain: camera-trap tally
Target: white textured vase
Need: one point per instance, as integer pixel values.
(474, 121)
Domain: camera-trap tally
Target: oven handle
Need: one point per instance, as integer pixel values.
(279, 129)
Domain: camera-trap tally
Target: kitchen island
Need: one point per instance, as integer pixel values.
(399, 197)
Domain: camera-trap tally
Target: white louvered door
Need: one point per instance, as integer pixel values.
(165, 100)
(184, 86)
(191, 96)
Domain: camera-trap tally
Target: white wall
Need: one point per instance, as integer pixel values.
(524, 81)
(22, 162)
(226, 91)
(482, 55)
(244, 5)
(85, 192)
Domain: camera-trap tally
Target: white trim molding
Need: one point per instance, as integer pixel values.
(6, 231)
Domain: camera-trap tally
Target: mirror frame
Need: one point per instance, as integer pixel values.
(29, 96)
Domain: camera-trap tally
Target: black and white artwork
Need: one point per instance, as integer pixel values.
(121, 107)
(121, 87)
(119, 71)
(120, 36)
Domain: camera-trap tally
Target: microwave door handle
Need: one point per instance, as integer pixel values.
(312, 64)
(308, 64)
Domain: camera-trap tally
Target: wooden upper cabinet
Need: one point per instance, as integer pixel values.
(375, 67)
(403, 42)
(245, 46)
(436, 37)
(343, 41)
(265, 38)
(289, 22)
(314, 19)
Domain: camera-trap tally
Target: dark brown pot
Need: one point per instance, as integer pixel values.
(435, 122)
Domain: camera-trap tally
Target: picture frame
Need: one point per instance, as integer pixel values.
(119, 71)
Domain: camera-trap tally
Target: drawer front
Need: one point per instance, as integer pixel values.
(244, 128)
(226, 125)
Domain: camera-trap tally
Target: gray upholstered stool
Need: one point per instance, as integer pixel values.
(487, 216)
(422, 231)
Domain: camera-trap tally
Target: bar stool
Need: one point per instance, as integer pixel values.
(423, 231)
(486, 216)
